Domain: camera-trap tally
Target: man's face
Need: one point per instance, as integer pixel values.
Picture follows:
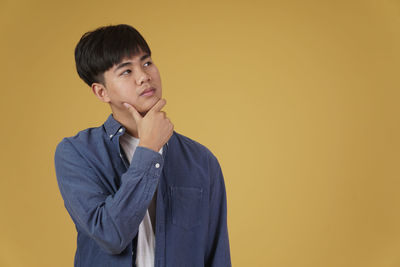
(130, 80)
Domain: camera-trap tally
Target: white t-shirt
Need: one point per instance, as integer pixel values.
(145, 252)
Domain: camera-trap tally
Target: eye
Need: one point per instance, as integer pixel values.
(148, 63)
(126, 72)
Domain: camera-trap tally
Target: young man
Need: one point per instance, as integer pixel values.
(139, 193)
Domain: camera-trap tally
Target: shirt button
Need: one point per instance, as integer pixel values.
(111, 135)
(157, 165)
(121, 130)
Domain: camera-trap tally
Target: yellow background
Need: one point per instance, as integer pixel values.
(299, 101)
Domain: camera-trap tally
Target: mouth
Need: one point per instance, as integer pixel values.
(148, 92)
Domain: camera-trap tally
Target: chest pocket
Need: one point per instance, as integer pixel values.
(186, 206)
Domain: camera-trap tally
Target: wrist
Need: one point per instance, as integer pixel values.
(152, 147)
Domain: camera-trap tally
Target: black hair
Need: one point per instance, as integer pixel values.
(99, 50)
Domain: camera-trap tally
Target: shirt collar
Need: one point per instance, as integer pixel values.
(112, 127)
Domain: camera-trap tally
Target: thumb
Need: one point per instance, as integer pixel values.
(137, 117)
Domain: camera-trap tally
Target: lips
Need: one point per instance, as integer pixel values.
(148, 90)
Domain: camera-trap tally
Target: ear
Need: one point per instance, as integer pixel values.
(101, 92)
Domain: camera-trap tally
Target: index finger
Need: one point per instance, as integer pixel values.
(136, 116)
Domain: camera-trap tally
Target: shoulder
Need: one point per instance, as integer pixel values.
(84, 139)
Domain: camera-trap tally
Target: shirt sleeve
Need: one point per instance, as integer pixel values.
(112, 220)
(218, 251)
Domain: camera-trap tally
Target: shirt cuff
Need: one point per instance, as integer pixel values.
(146, 159)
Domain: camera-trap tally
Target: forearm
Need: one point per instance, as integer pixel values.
(110, 219)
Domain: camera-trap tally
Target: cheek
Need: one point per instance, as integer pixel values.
(121, 96)
(155, 74)
(124, 90)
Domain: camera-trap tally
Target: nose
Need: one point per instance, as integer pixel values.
(142, 76)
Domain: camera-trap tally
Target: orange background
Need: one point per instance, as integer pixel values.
(299, 101)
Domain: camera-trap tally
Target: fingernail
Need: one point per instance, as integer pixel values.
(126, 105)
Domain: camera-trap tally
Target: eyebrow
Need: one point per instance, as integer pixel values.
(123, 64)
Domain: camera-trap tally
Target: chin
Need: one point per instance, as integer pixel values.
(146, 109)
(148, 105)
(153, 101)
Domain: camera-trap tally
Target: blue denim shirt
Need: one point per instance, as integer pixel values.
(107, 198)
